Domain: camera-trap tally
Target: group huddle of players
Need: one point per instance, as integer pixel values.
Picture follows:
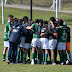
(36, 38)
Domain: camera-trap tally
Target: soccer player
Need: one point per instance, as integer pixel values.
(35, 41)
(27, 43)
(6, 35)
(14, 40)
(68, 41)
(61, 47)
(52, 38)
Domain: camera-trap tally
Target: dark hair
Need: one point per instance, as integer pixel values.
(45, 22)
(53, 19)
(16, 19)
(25, 19)
(41, 21)
(10, 16)
(60, 22)
(20, 20)
(37, 21)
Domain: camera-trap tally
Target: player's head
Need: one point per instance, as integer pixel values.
(45, 22)
(25, 19)
(52, 19)
(10, 18)
(37, 21)
(60, 22)
(20, 21)
(41, 22)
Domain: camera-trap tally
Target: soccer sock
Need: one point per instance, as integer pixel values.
(46, 56)
(4, 55)
(33, 56)
(24, 58)
(28, 53)
(41, 57)
(11, 56)
(53, 61)
(70, 56)
(20, 56)
(65, 56)
(61, 58)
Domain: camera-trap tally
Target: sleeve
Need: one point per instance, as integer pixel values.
(32, 25)
(9, 30)
(49, 30)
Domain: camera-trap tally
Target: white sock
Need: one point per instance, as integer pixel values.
(35, 58)
(32, 60)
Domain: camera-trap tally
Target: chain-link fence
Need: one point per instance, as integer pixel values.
(66, 4)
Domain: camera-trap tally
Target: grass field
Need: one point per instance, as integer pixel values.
(4, 67)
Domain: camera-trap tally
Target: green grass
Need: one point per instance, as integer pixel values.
(4, 67)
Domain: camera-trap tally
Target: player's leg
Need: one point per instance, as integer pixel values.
(15, 45)
(68, 51)
(9, 52)
(28, 54)
(6, 45)
(64, 53)
(41, 56)
(25, 51)
(46, 56)
(52, 45)
(61, 57)
(33, 44)
(59, 48)
(39, 50)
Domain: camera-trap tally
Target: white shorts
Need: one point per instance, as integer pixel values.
(52, 44)
(26, 45)
(44, 43)
(61, 46)
(6, 43)
(35, 42)
(22, 41)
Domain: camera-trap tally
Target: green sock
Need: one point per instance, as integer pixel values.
(11, 56)
(18, 55)
(53, 61)
(33, 55)
(41, 57)
(61, 58)
(46, 56)
(4, 56)
(24, 58)
(65, 56)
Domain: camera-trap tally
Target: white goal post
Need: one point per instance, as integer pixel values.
(2, 2)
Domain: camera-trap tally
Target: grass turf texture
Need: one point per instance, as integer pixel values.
(4, 67)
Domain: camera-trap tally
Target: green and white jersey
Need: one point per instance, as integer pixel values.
(7, 31)
(35, 30)
(61, 34)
